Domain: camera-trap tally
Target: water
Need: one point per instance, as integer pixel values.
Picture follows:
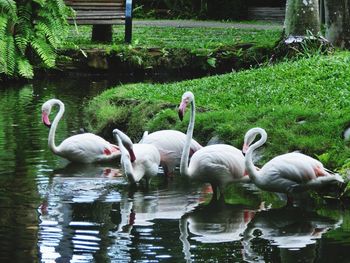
(53, 211)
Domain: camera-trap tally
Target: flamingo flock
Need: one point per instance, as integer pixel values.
(218, 164)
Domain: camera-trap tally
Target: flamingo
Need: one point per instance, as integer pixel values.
(288, 173)
(218, 164)
(81, 148)
(138, 160)
(170, 144)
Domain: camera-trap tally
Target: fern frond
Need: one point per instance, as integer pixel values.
(24, 14)
(3, 50)
(25, 69)
(45, 30)
(9, 7)
(8, 56)
(21, 43)
(40, 2)
(3, 25)
(44, 51)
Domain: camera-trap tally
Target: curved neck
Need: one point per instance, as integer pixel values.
(186, 150)
(253, 173)
(184, 238)
(125, 160)
(53, 128)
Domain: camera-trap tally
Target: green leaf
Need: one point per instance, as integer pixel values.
(45, 52)
(25, 68)
(212, 62)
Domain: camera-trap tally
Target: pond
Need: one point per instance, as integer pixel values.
(53, 211)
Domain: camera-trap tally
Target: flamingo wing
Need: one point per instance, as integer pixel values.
(170, 144)
(147, 161)
(219, 162)
(88, 148)
(294, 172)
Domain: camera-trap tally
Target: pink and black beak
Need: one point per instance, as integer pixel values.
(245, 148)
(182, 109)
(45, 119)
(132, 155)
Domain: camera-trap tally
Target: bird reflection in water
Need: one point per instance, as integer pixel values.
(214, 223)
(292, 230)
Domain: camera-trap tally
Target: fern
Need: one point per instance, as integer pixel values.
(3, 25)
(30, 31)
(47, 32)
(45, 52)
(8, 7)
(2, 56)
(25, 68)
(9, 56)
(40, 2)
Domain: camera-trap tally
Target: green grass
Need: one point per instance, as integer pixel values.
(169, 37)
(303, 105)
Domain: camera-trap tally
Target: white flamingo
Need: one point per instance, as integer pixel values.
(82, 148)
(288, 173)
(138, 160)
(170, 144)
(218, 164)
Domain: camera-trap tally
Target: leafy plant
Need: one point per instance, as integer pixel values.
(30, 32)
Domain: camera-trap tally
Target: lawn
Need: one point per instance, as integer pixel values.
(304, 105)
(172, 37)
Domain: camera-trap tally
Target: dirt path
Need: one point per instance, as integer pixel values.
(212, 24)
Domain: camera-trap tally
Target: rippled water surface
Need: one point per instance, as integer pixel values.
(53, 211)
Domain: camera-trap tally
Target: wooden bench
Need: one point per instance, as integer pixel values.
(275, 14)
(102, 14)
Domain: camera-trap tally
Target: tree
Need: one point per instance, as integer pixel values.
(337, 17)
(302, 16)
(30, 32)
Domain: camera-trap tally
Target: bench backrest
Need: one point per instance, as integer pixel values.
(93, 12)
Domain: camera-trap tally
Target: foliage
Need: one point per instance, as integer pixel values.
(30, 32)
(213, 9)
(303, 105)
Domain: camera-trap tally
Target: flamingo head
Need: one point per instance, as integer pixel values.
(250, 137)
(45, 112)
(187, 98)
(245, 148)
(125, 141)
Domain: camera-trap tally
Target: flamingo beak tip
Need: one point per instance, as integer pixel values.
(181, 116)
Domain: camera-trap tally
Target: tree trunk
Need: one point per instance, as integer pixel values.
(337, 14)
(102, 33)
(302, 16)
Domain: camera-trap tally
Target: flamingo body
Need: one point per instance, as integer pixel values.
(138, 160)
(82, 148)
(170, 144)
(218, 164)
(287, 173)
(87, 148)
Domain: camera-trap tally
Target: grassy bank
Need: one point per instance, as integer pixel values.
(170, 50)
(304, 105)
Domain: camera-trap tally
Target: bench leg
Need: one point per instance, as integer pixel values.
(101, 33)
(128, 29)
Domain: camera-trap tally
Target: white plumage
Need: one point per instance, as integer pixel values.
(83, 148)
(138, 160)
(218, 164)
(170, 144)
(287, 173)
